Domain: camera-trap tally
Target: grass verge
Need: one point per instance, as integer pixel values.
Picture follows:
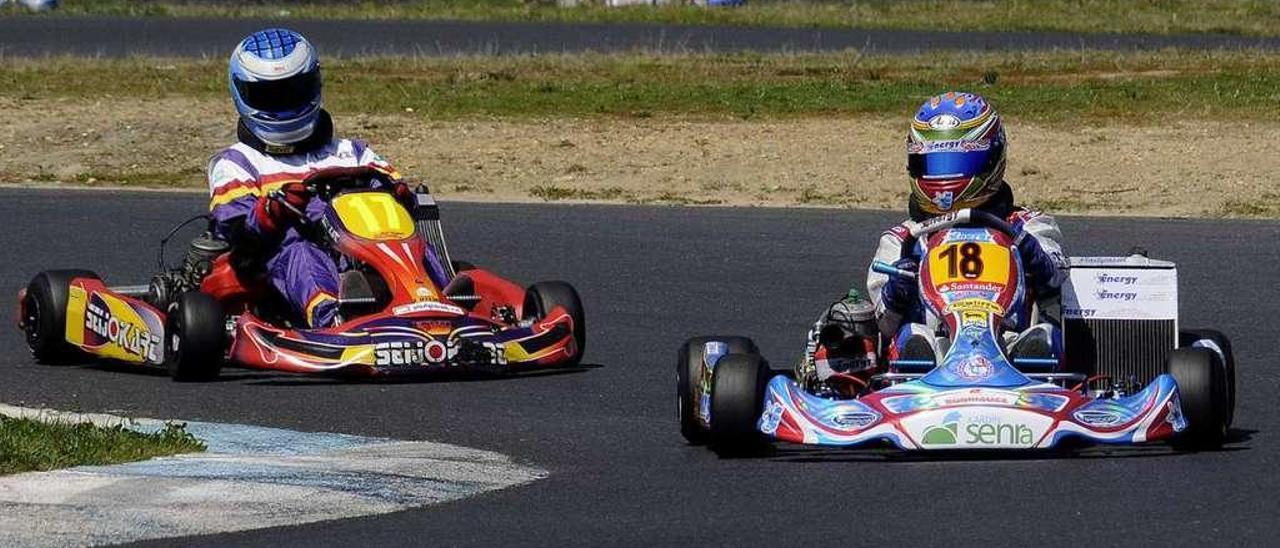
(1250, 17)
(1075, 87)
(32, 445)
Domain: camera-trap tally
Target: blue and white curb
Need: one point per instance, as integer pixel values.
(250, 477)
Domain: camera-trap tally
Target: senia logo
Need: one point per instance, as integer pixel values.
(991, 433)
(131, 338)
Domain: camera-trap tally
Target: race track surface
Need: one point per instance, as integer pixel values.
(116, 37)
(650, 277)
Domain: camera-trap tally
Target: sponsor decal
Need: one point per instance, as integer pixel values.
(1105, 295)
(1078, 312)
(974, 305)
(974, 368)
(1175, 416)
(944, 200)
(1105, 278)
(1098, 417)
(976, 396)
(981, 236)
(771, 418)
(856, 419)
(427, 353)
(133, 339)
(945, 433)
(981, 431)
(944, 121)
(969, 290)
(956, 145)
(712, 351)
(427, 306)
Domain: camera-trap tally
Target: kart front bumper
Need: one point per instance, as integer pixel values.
(915, 416)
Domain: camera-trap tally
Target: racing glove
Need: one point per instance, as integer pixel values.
(405, 195)
(1038, 264)
(282, 208)
(901, 294)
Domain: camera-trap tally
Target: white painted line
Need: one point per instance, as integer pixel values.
(251, 477)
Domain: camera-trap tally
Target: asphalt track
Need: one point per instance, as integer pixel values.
(620, 473)
(114, 37)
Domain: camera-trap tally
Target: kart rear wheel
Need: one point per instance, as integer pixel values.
(1218, 342)
(197, 338)
(44, 316)
(543, 297)
(690, 368)
(737, 397)
(1202, 390)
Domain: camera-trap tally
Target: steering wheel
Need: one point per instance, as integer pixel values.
(943, 222)
(328, 182)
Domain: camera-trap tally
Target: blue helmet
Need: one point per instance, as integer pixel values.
(955, 153)
(275, 84)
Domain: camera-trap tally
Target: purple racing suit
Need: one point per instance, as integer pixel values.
(302, 271)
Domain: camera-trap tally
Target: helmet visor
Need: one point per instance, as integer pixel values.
(283, 97)
(933, 165)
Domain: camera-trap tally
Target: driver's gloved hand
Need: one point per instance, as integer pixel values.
(1037, 263)
(404, 195)
(282, 208)
(901, 294)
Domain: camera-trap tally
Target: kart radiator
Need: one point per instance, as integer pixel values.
(427, 217)
(1120, 317)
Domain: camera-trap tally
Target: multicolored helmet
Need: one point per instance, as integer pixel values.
(275, 84)
(955, 153)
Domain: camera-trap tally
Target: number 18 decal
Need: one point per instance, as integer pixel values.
(969, 262)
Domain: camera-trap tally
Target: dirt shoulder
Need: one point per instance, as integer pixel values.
(1196, 169)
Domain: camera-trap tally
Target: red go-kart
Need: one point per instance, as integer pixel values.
(219, 308)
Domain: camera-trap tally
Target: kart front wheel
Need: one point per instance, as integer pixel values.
(44, 315)
(691, 376)
(543, 297)
(197, 338)
(1202, 390)
(1221, 345)
(737, 396)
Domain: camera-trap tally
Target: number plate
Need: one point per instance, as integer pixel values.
(969, 262)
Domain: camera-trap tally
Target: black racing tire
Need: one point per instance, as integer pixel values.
(737, 398)
(1202, 390)
(44, 321)
(690, 367)
(1189, 337)
(543, 297)
(197, 338)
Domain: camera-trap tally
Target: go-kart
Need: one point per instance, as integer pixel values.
(219, 308)
(1121, 376)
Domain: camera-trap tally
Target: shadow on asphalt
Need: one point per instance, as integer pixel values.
(253, 377)
(1235, 441)
(285, 379)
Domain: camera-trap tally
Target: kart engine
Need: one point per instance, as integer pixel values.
(167, 285)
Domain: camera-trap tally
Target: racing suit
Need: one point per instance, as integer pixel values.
(301, 271)
(1045, 273)
(846, 355)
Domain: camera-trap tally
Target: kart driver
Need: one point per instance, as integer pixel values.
(257, 197)
(956, 160)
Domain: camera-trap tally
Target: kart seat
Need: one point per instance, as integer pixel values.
(1033, 350)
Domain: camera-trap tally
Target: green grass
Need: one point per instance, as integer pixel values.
(1251, 17)
(30, 445)
(1063, 87)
